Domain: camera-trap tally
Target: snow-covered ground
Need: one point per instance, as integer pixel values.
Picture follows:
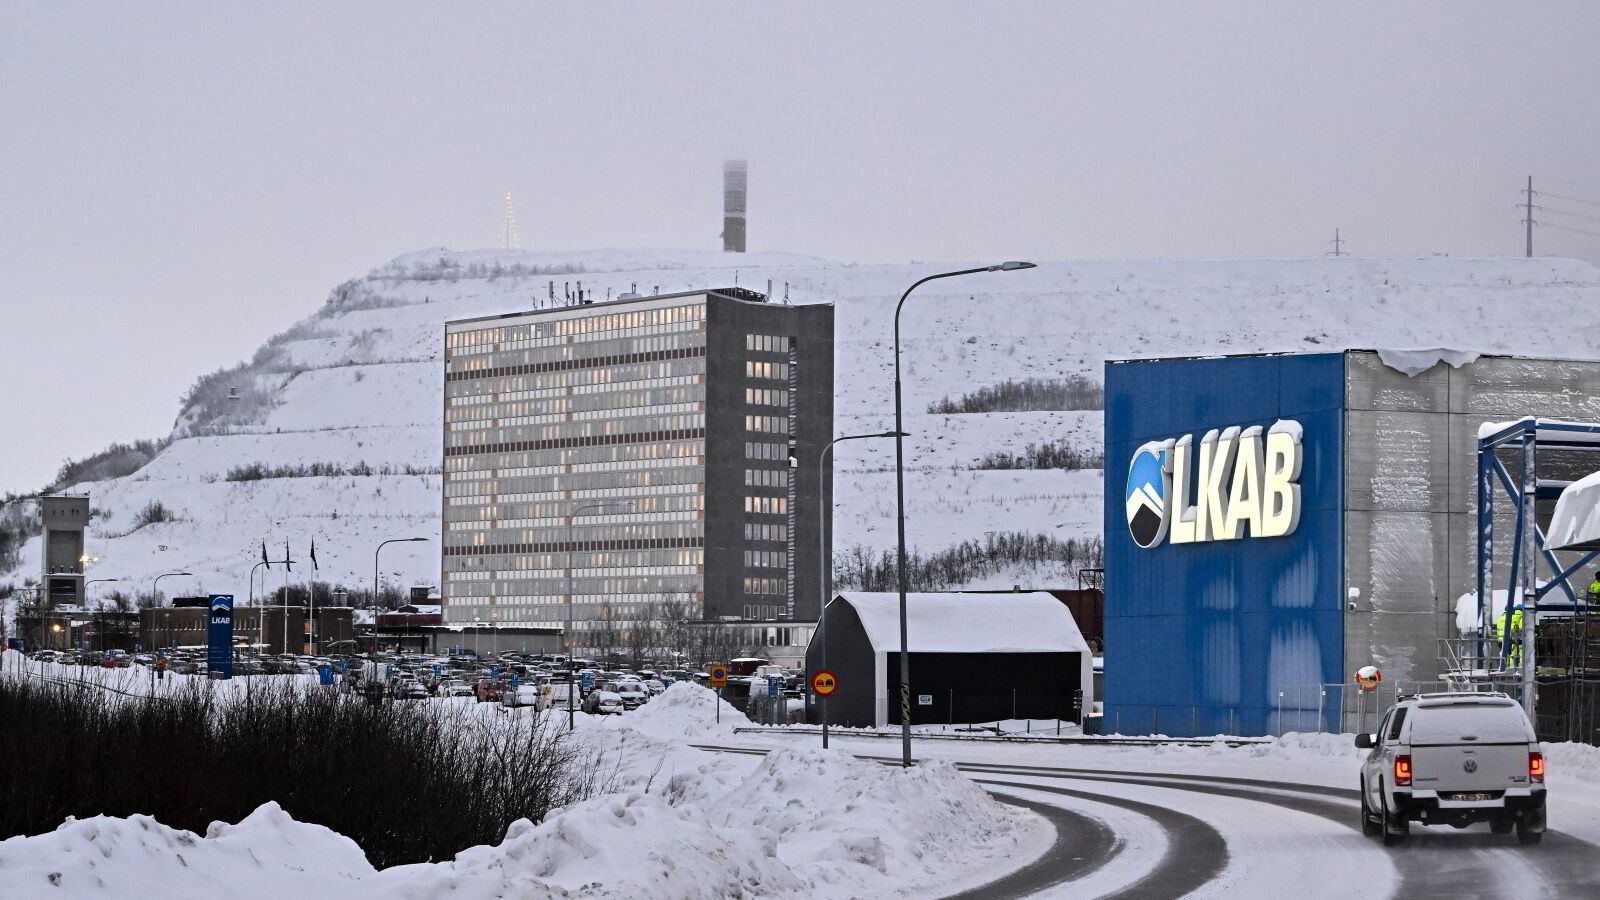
(699, 811)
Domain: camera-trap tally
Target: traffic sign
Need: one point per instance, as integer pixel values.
(588, 681)
(774, 687)
(719, 676)
(824, 683)
(1368, 678)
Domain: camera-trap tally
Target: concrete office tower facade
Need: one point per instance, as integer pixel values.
(735, 196)
(679, 413)
(65, 517)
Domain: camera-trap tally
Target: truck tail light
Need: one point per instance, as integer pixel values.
(1402, 771)
(1536, 768)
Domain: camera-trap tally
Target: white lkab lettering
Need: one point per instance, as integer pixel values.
(1183, 529)
(1244, 497)
(1216, 464)
(1245, 483)
(1280, 494)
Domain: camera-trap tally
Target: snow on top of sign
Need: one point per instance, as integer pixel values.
(1413, 362)
(1575, 524)
(969, 623)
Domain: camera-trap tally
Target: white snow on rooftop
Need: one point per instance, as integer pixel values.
(969, 623)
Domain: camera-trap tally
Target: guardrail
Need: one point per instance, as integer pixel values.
(1110, 741)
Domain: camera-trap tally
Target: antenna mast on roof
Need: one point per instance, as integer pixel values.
(509, 239)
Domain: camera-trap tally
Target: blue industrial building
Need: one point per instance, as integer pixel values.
(1201, 637)
(1275, 522)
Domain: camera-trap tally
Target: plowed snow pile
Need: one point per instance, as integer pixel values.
(805, 823)
(684, 710)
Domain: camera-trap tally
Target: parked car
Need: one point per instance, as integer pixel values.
(455, 687)
(603, 703)
(521, 695)
(489, 690)
(1453, 759)
(633, 693)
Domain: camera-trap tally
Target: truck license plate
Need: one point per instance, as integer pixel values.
(1472, 797)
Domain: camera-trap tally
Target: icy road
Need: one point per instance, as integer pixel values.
(1187, 831)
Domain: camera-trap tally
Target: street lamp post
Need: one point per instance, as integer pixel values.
(101, 631)
(823, 513)
(155, 596)
(900, 498)
(571, 665)
(373, 659)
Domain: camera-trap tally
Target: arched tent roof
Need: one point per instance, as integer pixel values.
(1033, 622)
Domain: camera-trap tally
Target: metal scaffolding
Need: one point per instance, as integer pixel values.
(1528, 436)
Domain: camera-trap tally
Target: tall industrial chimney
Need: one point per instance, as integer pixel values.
(735, 180)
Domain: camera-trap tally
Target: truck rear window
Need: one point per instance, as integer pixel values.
(1484, 724)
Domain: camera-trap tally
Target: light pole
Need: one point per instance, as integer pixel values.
(373, 659)
(823, 513)
(572, 666)
(900, 498)
(155, 597)
(100, 631)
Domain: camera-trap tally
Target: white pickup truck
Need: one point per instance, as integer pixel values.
(1453, 759)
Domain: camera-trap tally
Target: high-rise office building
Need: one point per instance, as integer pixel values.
(601, 458)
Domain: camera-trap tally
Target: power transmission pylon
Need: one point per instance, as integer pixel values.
(1527, 217)
(509, 239)
(1338, 245)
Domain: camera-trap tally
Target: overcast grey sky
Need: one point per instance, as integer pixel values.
(180, 180)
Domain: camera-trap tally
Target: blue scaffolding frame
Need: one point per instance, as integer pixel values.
(1529, 435)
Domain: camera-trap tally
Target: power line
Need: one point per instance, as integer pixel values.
(1565, 212)
(1572, 199)
(1527, 219)
(1568, 228)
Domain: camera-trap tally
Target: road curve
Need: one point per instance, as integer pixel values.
(1082, 845)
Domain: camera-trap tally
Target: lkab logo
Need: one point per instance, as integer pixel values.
(1245, 483)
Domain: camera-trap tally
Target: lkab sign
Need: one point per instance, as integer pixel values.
(1243, 485)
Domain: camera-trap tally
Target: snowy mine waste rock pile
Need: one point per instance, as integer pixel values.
(332, 429)
(805, 823)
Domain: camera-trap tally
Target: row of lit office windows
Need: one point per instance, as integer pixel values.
(510, 464)
(482, 339)
(596, 353)
(764, 450)
(461, 400)
(766, 397)
(606, 537)
(772, 506)
(765, 585)
(646, 428)
(773, 424)
(587, 380)
(596, 587)
(618, 399)
(774, 370)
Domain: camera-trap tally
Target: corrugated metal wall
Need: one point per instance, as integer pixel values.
(1202, 638)
(1411, 514)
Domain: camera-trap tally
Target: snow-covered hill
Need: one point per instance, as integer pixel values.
(356, 385)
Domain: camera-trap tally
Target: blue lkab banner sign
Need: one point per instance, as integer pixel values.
(219, 636)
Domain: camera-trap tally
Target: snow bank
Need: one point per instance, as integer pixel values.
(268, 855)
(805, 823)
(685, 710)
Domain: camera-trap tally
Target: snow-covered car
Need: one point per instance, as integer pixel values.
(603, 703)
(489, 690)
(411, 690)
(654, 686)
(521, 695)
(455, 687)
(1453, 759)
(633, 693)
